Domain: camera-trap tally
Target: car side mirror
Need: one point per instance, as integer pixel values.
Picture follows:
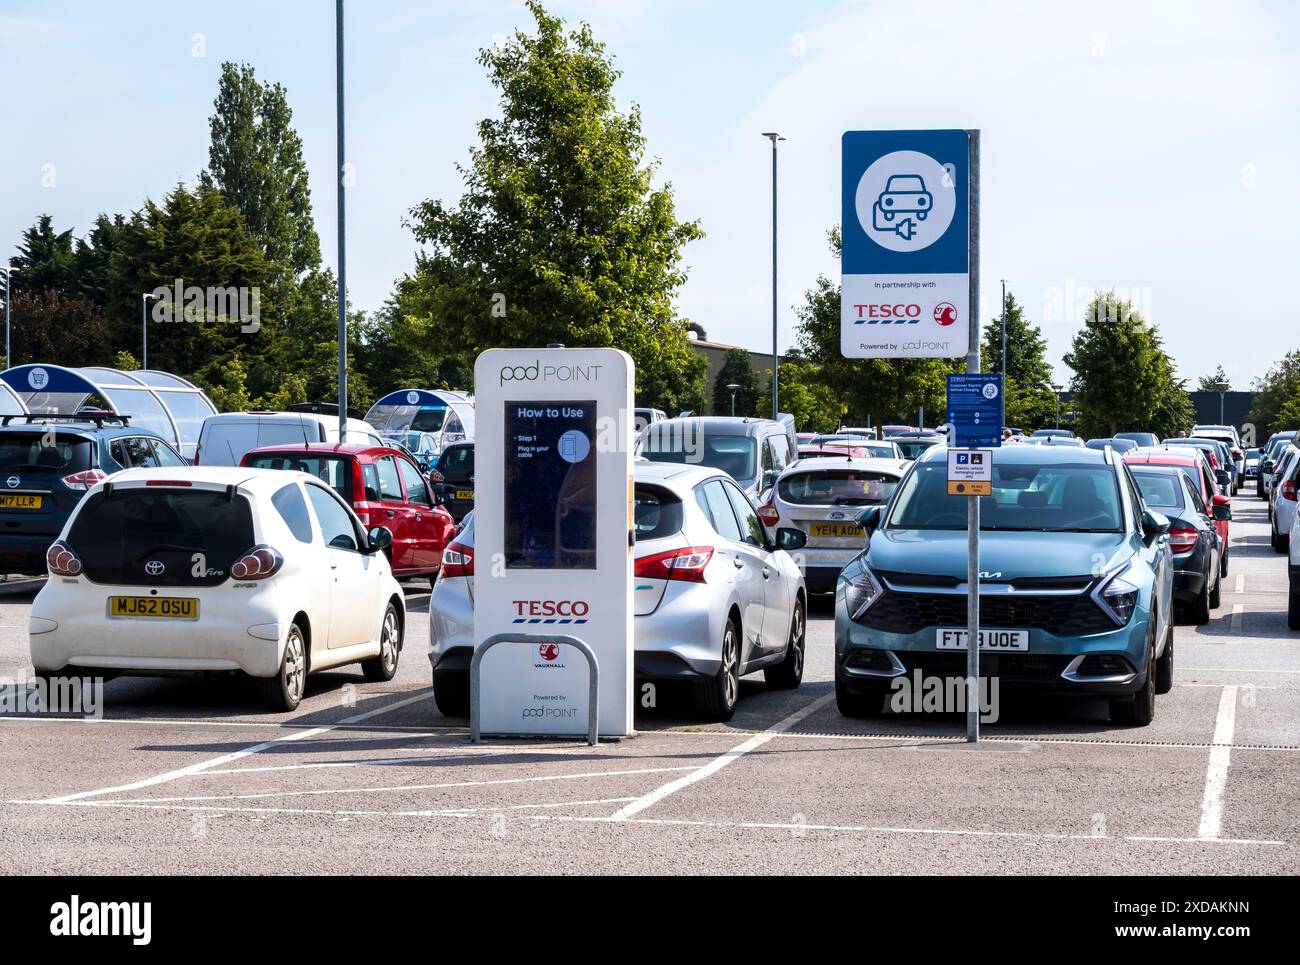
(1267, 466)
(770, 477)
(1222, 507)
(1224, 477)
(434, 475)
(790, 539)
(380, 538)
(1154, 525)
(868, 519)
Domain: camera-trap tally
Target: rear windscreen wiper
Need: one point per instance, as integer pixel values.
(168, 548)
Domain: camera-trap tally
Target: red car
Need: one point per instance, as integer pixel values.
(384, 487)
(1196, 467)
(812, 452)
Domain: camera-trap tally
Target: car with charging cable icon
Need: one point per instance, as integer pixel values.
(905, 197)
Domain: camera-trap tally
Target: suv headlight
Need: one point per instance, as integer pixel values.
(861, 590)
(1118, 597)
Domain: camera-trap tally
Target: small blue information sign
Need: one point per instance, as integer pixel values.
(975, 410)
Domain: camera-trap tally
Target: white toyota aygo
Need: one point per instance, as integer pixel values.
(197, 569)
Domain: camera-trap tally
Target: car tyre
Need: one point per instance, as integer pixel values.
(1293, 604)
(1141, 710)
(788, 674)
(1276, 539)
(716, 698)
(1198, 610)
(1165, 666)
(451, 692)
(869, 704)
(284, 691)
(384, 666)
(1216, 595)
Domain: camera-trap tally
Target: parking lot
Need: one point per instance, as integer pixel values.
(193, 776)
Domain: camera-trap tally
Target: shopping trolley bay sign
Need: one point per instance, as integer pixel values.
(906, 247)
(970, 472)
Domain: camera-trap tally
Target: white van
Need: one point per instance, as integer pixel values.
(226, 437)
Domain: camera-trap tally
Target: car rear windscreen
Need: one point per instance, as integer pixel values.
(837, 487)
(333, 471)
(33, 452)
(161, 536)
(737, 456)
(912, 449)
(656, 512)
(1160, 490)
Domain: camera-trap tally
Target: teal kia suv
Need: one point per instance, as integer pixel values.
(1076, 585)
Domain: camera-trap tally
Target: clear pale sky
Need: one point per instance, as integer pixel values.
(1146, 146)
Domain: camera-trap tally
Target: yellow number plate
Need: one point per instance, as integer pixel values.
(160, 607)
(464, 494)
(17, 501)
(850, 530)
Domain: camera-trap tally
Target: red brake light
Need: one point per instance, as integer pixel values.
(168, 482)
(61, 561)
(257, 564)
(768, 513)
(1289, 490)
(457, 560)
(1182, 538)
(687, 563)
(84, 481)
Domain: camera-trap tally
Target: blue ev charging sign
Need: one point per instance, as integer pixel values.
(905, 290)
(552, 535)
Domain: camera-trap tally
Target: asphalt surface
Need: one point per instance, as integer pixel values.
(187, 775)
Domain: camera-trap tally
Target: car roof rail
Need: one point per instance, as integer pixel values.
(98, 418)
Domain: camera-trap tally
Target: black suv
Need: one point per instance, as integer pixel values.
(456, 485)
(47, 465)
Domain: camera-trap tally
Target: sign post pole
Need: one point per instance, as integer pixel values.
(973, 501)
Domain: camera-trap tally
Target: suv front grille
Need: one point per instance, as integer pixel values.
(1021, 666)
(1073, 615)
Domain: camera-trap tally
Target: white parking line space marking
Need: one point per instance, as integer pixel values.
(1216, 773)
(1234, 622)
(1241, 583)
(718, 763)
(494, 782)
(202, 766)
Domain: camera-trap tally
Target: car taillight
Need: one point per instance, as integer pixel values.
(1289, 490)
(768, 514)
(1182, 538)
(687, 563)
(61, 561)
(257, 564)
(363, 513)
(84, 480)
(457, 560)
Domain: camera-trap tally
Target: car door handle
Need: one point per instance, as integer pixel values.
(389, 513)
(766, 572)
(333, 565)
(738, 564)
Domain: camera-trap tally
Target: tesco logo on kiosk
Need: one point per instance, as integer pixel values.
(899, 313)
(551, 608)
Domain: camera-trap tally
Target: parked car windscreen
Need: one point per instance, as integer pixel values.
(118, 534)
(1055, 498)
(334, 471)
(28, 451)
(912, 448)
(457, 463)
(837, 487)
(737, 456)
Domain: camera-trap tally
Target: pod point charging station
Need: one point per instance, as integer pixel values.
(553, 543)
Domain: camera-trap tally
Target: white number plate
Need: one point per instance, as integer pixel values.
(995, 640)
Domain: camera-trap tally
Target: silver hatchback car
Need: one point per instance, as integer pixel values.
(715, 596)
(821, 498)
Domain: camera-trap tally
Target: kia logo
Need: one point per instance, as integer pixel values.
(13, 482)
(986, 575)
(154, 568)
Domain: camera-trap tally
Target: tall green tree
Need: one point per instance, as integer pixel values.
(1273, 391)
(255, 159)
(801, 392)
(561, 234)
(879, 390)
(1030, 401)
(737, 370)
(92, 263)
(48, 326)
(1123, 378)
(1218, 382)
(44, 260)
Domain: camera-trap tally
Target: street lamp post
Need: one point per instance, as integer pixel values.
(144, 326)
(343, 272)
(9, 284)
(1004, 329)
(1056, 390)
(1221, 393)
(733, 387)
(773, 136)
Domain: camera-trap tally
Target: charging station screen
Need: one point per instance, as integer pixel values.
(550, 485)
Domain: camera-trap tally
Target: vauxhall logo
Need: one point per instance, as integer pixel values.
(548, 373)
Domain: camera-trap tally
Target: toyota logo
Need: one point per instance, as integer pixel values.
(154, 568)
(13, 482)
